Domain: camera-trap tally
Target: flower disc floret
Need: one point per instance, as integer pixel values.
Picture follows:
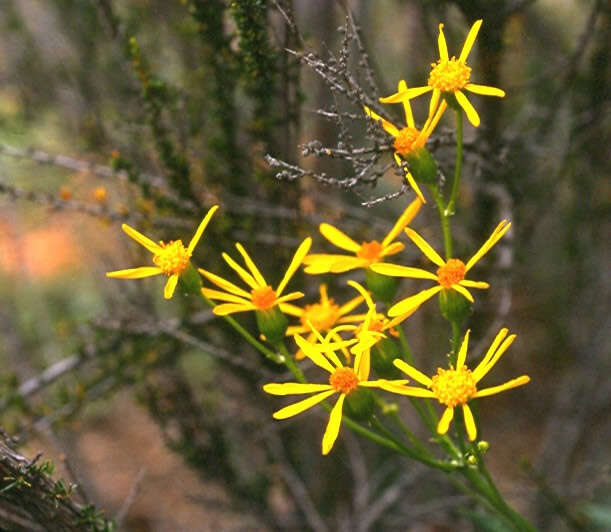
(370, 250)
(263, 298)
(344, 380)
(453, 386)
(322, 316)
(404, 141)
(173, 257)
(449, 75)
(452, 272)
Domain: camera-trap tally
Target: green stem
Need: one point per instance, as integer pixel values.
(449, 211)
(268, 353)
(445, 221)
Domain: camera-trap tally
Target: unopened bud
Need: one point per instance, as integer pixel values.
(272, 324)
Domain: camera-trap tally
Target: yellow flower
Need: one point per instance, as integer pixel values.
(409, 139)
(450, 274)
(457, 386)
(365, 254)
(261, 296)
(171, 258)
(342, 379)
(321, 316)
(449, 77)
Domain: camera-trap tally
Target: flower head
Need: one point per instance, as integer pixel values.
(171, 258)
(449, 77)
(409, 139)
(364, 254)
(261, 297)
(343, 380)
(321, 316)
(450, 274)
(456, 386)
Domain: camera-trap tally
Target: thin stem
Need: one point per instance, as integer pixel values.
(445, 221)
(458, 168)
(268, 353)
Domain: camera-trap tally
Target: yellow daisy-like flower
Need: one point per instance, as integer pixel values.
(261, 296)
(457, 386)
(409, 138)
(343, 380)
(449, 77)
(321, 316)
(365, 254)
(171, 258)
(450, 274)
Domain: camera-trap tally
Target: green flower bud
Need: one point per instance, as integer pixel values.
(454, 306)
(272, 324)
(190, 281)
(422, 166)
(483, 446)
(382, 356)
(383, 287)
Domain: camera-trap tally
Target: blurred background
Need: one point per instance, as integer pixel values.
(148, 112)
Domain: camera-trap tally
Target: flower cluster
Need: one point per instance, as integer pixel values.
(351, 346)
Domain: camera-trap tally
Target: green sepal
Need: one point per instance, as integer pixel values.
(422, 166)
(383, 287)
(382, 356)
(190, 281)
(272, 324)
(454, 306)
(360, 404)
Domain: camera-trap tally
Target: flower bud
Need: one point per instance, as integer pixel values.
(454, 306)
(383, 287)
(483, 446)
(272, 324)
(360, 404)
(422, 166)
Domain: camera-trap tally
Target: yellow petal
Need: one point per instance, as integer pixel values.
(350, 306)
(231, 308)
(292, 310)
(524, 379)
(396, 270)
(224, 284)
(410, 178)
(474, 284)
(364, 293)
(392, 249)
(432, 106)
(443, 46)
(398, 97)
(259, 279)
(407, 108)
(332, 430)
(200, 230)
(141, 239)
(345, 264)
(467, 107)
(412, 372)
(362, 364)
(388, 127)
(291, 296)
(295, 388)
(338, 238)
(446, 419)
(412, 391)
(244, 275)
(463, 292)
(224, 296)
(472, 35)
(496, 235)
(301, 252)
(320, 263)
(501, 335)
(462, 352)
(297, 408)
(135, 273)
(469, 422)
(406, 217)
(482, 371)
(314, 354)
(424, 246)
(170, 286)
(485, 90)
(431, 124)
(410, 303)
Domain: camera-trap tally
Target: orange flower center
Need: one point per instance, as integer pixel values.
(344, 380)
(449, 75)
(263, 298)
(405, 139)
(321, 315)
(173, 258)
(453, 386)
(452, 272)
(370, 250)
